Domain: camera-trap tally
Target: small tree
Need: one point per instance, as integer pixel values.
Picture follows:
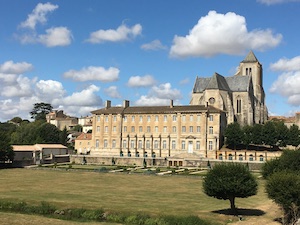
(230, 181)
(294, 136)
(247, 137)
(40, 110)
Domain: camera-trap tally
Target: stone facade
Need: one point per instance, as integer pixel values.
(241, 96)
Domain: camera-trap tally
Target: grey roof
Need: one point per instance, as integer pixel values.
(219, 82)
(156, 109)
(250, 57)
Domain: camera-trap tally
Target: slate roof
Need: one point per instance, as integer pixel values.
(250, 57)
(156, 109)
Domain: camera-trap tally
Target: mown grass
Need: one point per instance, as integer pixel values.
(154, 195)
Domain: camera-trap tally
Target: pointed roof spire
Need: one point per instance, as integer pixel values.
(217, 81)
(250, 57)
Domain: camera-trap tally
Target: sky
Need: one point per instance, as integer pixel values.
(75, 55)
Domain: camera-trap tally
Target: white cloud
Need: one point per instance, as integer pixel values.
(288, 85)
(153, 45)
(138, 81)
(160, 95)
(273, 2)
(49, 89)
(38, 15)
(112, 92)
(122, 33)
(56, 36)
(222, 34)
(19, 88)
(94, 73)
(86, 97)
(9, 67)
(285, 64)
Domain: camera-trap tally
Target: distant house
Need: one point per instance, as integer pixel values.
(83, 143)
(86, 123)
(60, 120)
(39, 153)
(288, 121)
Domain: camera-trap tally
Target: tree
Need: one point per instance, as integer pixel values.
(77, 128)
(40, 110)
(6, 151)
(282, 133)
(294, 136)
(230, 181)
(257, 134)
(63, 136)
(48, 133)
(233, 135)
(247, 137)
(284, 188)
(269, 134)
(16, 120)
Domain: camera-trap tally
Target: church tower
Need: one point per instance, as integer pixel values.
(250, 66)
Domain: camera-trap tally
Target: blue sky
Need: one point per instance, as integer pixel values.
(77, 54)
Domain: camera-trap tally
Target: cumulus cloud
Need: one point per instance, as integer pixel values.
(94, 73)
(49, 89)
(56, 36)
(9, 67)
(160, 95)
(112, 92)
(38, 15)
(153, 45)
(273, 2)
(139, 81)
(122, 33)
(286, 64)
(218, 33)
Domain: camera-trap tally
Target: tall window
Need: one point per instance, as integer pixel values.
(198, 118)
(141, 118)
(148, 129)
(140, 129)
(147, 144)
(183, 129)
(211, 130)
(156, 118)
(97, 143)
(165, 129)
(132, 129)
(210, 145)
(191, 118)
(191, 129)
(125, 118)
(165, 118)
(156, 129)
(140, 144)
(211, 118)
(106, 129)
(174, 129)
(148, 118)
(198, 129)
(174, 118)
(173, 144)
(156, 144)
(98, 129)
(106, 118)
(98, 118)
(183, 118)
(132, 144)
(238, 105)
(114, 128)
(198, 145)
(113, 143)
(125, 128)
(164, 146)
(132, 118)
(124, 143)
(183, 145)
(115, 118)
(105, 143)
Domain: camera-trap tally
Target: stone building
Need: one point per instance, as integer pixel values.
(241, 96)
(157, 131)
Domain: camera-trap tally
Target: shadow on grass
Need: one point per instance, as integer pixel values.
(241, 212)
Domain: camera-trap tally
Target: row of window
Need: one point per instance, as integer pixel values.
(241, 157)
(156, 118)
(156, 129)
(156, 144)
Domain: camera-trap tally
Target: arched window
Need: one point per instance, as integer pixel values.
(240, 157)
(220, 157)
(251, 157)
(230, 156)
(238, 104)
(261, 158)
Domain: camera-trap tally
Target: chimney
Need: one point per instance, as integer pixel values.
(125, 104)
(107, 104)
(171, 103)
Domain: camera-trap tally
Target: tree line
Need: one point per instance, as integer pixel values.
(273, 133)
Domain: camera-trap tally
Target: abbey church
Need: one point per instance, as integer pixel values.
(181, 135)
(241, 96)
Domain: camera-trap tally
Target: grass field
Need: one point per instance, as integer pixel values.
(174, 195)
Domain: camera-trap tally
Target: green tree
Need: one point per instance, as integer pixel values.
(233, 135)
(294, 136)
(6, 150)
(284, 189)
(282, 133)
(257, 134)
(48, 133)
(40, 110)
(269, 134)
(63, 136)
(230, 181)
(16, 120)
(77, 128)
(247, 137)
(26, 133)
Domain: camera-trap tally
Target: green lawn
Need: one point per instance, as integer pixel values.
(174, 195)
